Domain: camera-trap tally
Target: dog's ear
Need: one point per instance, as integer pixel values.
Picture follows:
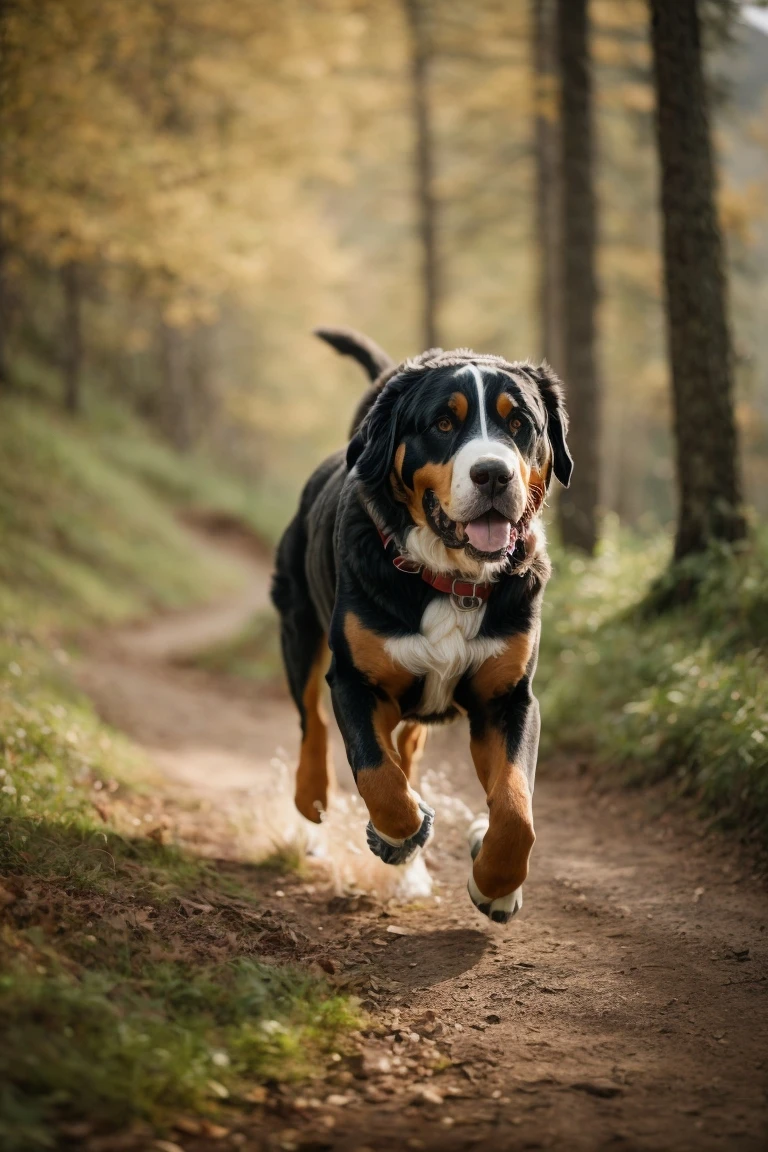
(372, 447)
(552, 393)
(356, 447)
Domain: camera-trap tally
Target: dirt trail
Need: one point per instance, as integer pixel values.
(625, 1007)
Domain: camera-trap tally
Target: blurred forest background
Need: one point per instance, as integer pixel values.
(188, 189)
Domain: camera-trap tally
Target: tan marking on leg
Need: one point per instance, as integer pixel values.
(504, 404)
(371, 657)
(314, 776)
(385, 789)
(498, 674)
(459, 405)
(410, 744)
(501, 866)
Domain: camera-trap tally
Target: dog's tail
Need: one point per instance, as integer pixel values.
(347, 342)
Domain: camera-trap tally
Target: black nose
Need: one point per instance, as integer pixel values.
(490, 476)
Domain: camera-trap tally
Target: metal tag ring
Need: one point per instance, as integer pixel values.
(467, 603)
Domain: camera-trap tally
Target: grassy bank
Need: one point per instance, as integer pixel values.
(89, 517)
(682, 695)
(138, 984)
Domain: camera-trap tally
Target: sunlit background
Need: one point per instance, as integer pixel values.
(206, 182)
(187, 189)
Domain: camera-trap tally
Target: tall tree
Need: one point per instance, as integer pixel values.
(547, 176)
(578, 505)
(697, 326)
(424, 169)
(3, 295)
(71, 336)
(3, 315)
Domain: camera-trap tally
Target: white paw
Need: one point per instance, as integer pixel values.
(502, 909)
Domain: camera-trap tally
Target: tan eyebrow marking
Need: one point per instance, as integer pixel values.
(505, 404)
(459, 405)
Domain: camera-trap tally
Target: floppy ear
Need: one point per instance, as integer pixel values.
(552, 393)
(355, 447)
(372, 447)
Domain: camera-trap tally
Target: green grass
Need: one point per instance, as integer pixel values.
(116, 1004)
(84, 538)
(120, 1001)
(681, 695)
(151, 1042)
(109, 430)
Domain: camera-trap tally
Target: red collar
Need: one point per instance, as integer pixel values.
(466, 594)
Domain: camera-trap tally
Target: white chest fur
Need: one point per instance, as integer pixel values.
(443, 650)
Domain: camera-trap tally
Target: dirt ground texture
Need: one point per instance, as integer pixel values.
(624, 1007)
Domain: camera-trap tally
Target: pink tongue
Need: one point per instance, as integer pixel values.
(489, 533)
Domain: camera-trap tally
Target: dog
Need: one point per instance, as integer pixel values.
(419, 558)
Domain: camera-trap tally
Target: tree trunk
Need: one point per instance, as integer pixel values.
(697, 327)
(174, 406)
(4, 307)
(424, 171)
(547, 191)
(578, 505)
(71, 337)
(3, 316)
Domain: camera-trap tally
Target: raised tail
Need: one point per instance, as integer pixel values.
(347, 342)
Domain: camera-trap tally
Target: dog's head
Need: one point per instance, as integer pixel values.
(463, 447)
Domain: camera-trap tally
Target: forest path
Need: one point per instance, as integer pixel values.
(625, 1007)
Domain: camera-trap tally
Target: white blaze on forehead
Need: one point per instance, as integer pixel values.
(480, 385)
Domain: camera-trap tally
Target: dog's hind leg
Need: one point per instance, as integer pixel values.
(306, 656)
(410, 744)
(314, 775)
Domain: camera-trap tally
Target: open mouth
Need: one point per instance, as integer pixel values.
(486, 537)
(490, 533)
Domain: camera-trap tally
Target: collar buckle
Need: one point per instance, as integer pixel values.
(466, 603)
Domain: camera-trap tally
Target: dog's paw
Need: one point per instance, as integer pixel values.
(401, 851)
(502, 909)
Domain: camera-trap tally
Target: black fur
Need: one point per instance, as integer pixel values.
(347, 342)
(552, 393)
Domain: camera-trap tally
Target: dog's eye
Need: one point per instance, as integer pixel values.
(514, 425)
(444, 424)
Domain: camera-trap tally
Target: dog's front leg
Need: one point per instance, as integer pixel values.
(504, 740)
(367, 713)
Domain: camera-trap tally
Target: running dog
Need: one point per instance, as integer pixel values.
(418, 556)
